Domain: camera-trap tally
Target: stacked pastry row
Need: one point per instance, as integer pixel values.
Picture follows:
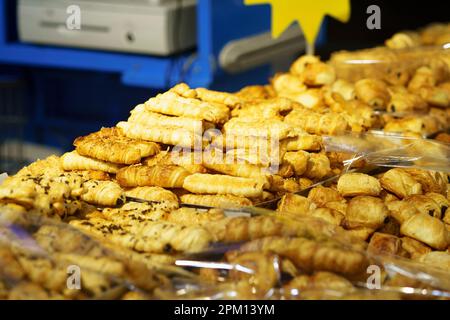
(436, 34)
(403, 212)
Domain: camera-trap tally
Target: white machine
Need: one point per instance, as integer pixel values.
(157, 27)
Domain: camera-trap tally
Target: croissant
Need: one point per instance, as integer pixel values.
(165, 135)
(317, 123)
(193, 217)
(221, 184)
(108, 145)
(313, 71)
(225, 98)
(364, 211)
(310, 255)
(298, 160)
(140, 115)
(103, 193)
(258, 128)
(191, 161)
(400, 183)
(170, 103)
(426, 229)
(165, 176)
(156, 194)
(358, 184)
(74, 161)
(217, 201)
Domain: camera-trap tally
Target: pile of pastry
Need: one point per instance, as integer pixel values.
(127, 186)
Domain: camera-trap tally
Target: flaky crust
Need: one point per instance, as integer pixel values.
(110, 145)
(400, 183)
(159, 176)
(221, 184)
(217, 201)
(74, 161)
(426, 229)
(358, 184)
(103, 193)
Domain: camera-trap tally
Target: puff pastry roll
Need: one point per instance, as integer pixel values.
(322, 195)
(142, 116)
(220, 184)
(313, 72)
(358, 184)
(159, 176)
(243, 170)
(170, 136)
(367, 212)
(382, 243)
(183, 90)
(373, 92)
(265, 128)
(295, 204)
(306, 142)
(109, 145)
(298, 160)
(253, 157)
(400, 183)
(191, 161)
(216, 201)
(426, 204)
(286, 85)
(264, 109)
(103, 193)
(426, 229)
(437, 259)
(170, 103)
(156, 194)
(252, 93)
(228, 99)
(431, 181)
(194, 217)
(414, 248)
(318, 166)
(74, 161)
(317, 123)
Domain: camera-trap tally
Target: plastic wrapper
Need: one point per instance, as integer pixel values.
(395, 66)
(383, 149)
(320, 262)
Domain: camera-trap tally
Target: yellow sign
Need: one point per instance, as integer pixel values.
(308, 13)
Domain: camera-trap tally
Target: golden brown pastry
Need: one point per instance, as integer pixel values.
(382, 243)
(258, 128)
(317, 123)
(431, 181)
(358, 184)
(310, 255)
(50, 167)
(361, 233)
(295, 204)
(318, 166)
(287, 85)
(414, 248)
(312, 71)
(221, 184)
(304, 141)
(252, 93)
(404, 101)
(365, 211)
(426, 204)
(170, 103)
(437, 259)
(167, 135)
(298, 160)
(110, 145)
(194, 217)
(329, 215)
(155, 194)
(400, 183)
(140, 115)
(103, 193)
(321, 196)
(191, 161)
(401, 210)
(426, 229)
(159, 176)
(228, 99)
(74, 161)
(373, 92)
(218, 201)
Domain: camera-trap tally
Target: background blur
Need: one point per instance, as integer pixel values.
(57, 84)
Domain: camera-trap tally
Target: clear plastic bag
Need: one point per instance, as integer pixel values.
(383, 149)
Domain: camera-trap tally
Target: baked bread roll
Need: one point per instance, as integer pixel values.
(295, 204)
(167, 135)
(170, 103)
(317, 123)
(431, 181)
(155, 194)
(318, 166)
(163, 176)
(110, 145)
(216, 201)
(192, 217)
(365, 211)
(400, 183)
(321, 196)
(358, 184)
(258, 128)
(142, 116)
(191, 161)
(312, 71)
(298, 160)
(74, 161)
(384, 244)
(103, 193)
(401, 210)
(373, 92)
(304, 141)
(228, 99)
(414, 248)
(425, 204)
(220, 184)
(329, 215)
(426, 229)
